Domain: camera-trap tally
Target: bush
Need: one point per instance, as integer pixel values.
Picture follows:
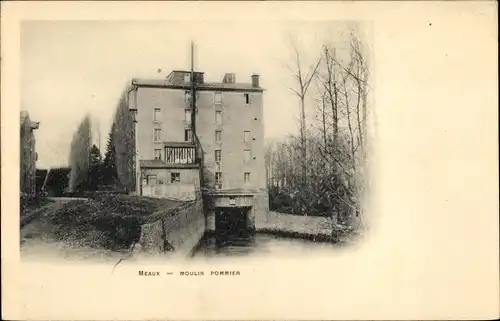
(28, 202)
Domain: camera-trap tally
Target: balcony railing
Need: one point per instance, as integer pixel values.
(180, 153)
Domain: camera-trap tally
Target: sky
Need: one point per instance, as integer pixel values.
(71, 68)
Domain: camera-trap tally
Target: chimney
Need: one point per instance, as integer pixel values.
(229, 78)
(255, 81)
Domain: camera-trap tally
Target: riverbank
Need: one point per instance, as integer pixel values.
(312, 228)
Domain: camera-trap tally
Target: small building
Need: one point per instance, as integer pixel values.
(224, 156)
(28, 155)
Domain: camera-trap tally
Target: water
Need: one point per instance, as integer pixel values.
(260, 244)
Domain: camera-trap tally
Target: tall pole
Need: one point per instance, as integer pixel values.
(193, 96)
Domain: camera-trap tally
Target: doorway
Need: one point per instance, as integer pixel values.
(231, 225)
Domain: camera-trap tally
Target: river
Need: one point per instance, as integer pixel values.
(260, 244)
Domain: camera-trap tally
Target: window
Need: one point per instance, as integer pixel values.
(218, 179)
(218, 117)
(157, 114)
(247, 177)
(218, 98)
(157, 136)
(157, 153)
(187, 96)
(218, 156)
(187, 135)
(218, 136)
(247, 154)
(187, 78)
(246, 136)
(187, 115)
(175, 177)
(247, 99)
(151, 179)
(160, 182)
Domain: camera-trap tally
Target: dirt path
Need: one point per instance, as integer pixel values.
(38, 243)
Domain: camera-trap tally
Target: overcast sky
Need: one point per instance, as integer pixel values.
(70, 68)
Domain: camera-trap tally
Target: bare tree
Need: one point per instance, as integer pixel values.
(303, 81)
(329, 155)
(328, 80)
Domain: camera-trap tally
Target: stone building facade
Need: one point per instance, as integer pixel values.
(227, 149)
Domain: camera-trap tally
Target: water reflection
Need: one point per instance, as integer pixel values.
(258, 244)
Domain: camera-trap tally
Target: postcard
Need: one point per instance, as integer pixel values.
(249, 160)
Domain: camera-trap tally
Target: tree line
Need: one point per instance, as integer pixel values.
(322, 171)
(89, 171)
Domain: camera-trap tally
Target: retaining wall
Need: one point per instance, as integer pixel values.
(177, 231)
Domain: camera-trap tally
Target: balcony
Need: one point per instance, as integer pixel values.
(180, 153)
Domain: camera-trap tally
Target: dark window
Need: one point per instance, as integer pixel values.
(157, 134)
(157, 153)
(247, 98)
(175, 177)
(187, 135)
(218, 180)
(218, 134)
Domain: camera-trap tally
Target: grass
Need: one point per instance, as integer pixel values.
(109, 221)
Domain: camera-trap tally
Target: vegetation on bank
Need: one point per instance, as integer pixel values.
(323, 171)
(108, 221)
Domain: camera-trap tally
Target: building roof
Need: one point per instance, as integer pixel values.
(179, 144)
(236, 192)
(157, 163)
(165, 83)
(185, 71)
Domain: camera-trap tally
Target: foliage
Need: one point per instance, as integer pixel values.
(79, 156)
(109, 221)
(57, 181)
(95, 175)
(109, 164)
(124, 141)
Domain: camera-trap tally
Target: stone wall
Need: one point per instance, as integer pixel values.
(182, 192)
(184, 230)
(174, 230)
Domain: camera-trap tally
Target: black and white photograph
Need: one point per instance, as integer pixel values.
(142, 139)
(249, 160)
